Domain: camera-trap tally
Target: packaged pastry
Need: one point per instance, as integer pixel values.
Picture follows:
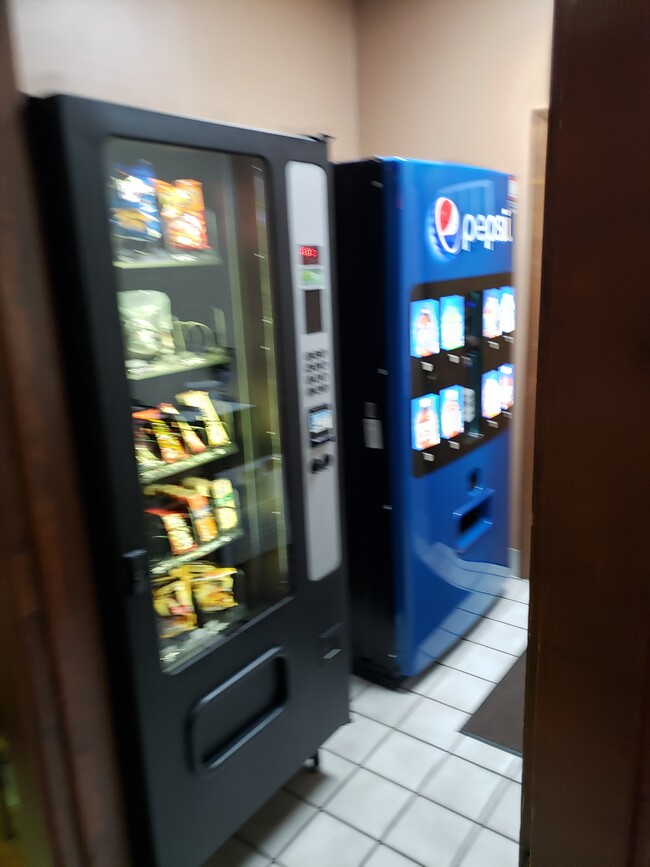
(212, 586)
(147, 323)
(183, 214)
(172, 602)
(193, 442)
(174, 527)
(214, 428)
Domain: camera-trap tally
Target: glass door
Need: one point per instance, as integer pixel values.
(190, 250)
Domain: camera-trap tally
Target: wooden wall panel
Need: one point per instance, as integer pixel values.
(61, 707)
(586, 736)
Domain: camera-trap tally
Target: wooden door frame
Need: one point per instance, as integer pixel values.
(586, 783)
(59, 712)
(536, 184)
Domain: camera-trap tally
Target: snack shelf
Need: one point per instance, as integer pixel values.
(167, 263)
(163, 566)
(178, 364)
(156, 473)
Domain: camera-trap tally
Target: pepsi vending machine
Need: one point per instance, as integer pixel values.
(427, 321)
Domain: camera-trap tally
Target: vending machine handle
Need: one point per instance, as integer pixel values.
(137, 569)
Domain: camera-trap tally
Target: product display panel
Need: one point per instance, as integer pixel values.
(189, 234)
(460, 360)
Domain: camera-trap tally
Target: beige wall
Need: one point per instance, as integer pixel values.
(288, 65)
(458, 80)
(436, 79)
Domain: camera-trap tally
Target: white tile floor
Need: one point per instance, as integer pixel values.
(400, 785)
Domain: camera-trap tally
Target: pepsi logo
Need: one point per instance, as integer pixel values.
(448, 232)
(445, 233)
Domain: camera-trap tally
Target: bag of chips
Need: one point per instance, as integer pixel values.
(172, 602)
(183, 214)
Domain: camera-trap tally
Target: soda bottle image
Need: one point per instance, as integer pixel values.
(451, 414)
(425, 425)
(491, 397)
(425, 337)
(491, 315)
(452, 322)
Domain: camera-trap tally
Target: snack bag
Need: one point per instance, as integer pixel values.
(222, 497)
(134, 209)
(214, 428)
(174, 526)
(172, 602)
(192, 440)
(198, 508)
(183, 214)
(144, 453)
(212, 586)
(225, 499)
(169, 443)
(146, 316)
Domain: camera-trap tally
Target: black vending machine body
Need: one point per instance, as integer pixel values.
(191, 267)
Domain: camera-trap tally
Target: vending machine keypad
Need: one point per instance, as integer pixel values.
(317, 380)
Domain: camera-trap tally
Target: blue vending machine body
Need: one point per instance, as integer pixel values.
(442, 235)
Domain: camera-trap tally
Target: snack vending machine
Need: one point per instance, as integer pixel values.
(191, 269)
(427, 321)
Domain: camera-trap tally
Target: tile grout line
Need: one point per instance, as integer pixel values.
(489, 807)
(471, 673)
(466, 845)
(486, 812)
(428, 744)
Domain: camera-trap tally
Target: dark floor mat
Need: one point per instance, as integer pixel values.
(500, 719)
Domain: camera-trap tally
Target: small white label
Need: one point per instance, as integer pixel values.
(469, 405)
(372, 433)
(507, 414)
(428, 457)
(454, 445)
(455, 359)
(493, 423)
(493, 344)
(426, 365)
(508, 338)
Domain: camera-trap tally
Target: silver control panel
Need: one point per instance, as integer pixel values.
(307, 205)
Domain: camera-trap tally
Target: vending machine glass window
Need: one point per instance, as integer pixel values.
(190, 250)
